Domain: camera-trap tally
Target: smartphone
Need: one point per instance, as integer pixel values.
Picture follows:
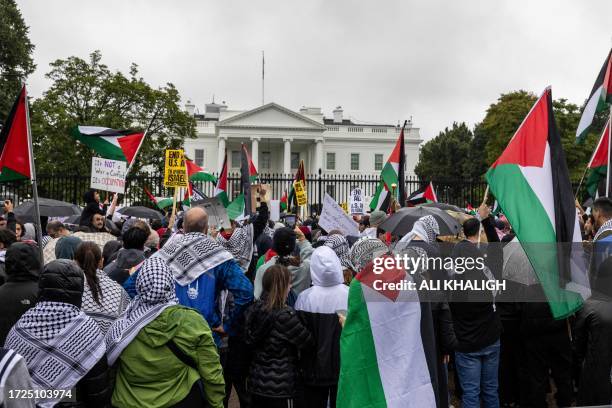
(290, 220)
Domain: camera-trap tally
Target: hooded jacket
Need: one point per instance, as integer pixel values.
(20, 291)
(317, 306)
(118, 270)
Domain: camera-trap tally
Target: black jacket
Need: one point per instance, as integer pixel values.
(275, 337)
(20, 291)
(320, 365)
(119, 269)
(93, 390)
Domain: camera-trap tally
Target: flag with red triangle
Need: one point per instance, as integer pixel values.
(598, 165)
(221, 187)
(110, 143)
(14, 144)
(425, 194)
(392, 173)
(283, 201)
(599, 99)
(197, 173)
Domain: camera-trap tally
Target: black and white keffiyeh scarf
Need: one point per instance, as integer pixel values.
(341, 247)
(113, 301)
(60, 344)
(155, 293)
(365, 250)
(606, 226)
(426, 228)
(240, 245)
(190, 255)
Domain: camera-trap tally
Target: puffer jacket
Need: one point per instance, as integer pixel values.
(20, 291)
(276, 337)
(119, 269)
(62, 281)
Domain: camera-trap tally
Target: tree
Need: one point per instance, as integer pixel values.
(447, 155)
(88, 93)
(16, 61)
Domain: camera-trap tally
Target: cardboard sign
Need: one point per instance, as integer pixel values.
(108, 175)
(357, 201)
(175, 170)
(300, 192)
(334, 218)
(217, 215)
(257, 197)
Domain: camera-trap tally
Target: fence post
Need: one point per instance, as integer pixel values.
(75, 188)
(320, 188)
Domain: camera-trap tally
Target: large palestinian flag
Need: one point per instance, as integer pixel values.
(598, 166)
(383, 350)
(221, 187)
(109, 143)
(531, 182)
(425, 194)
(392, 173)
(599, 99)
(197, 173)
(14, 144)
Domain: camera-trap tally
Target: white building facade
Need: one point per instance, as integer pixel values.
(278, 138)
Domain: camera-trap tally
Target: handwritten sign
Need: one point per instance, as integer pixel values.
(175, 171)
(300, 192)
(357, 201)
(108, 175)
(333, 217)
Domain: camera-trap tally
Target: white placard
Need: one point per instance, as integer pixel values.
(357, 201)
(333, 217)
(108, 175)
(275, 210)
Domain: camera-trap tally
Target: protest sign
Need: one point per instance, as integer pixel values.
(217, 214)
(175, 170)
(275, 210)
(300, 192)
(259, 193)
(334, 218)
(357, 201)
(108, 175)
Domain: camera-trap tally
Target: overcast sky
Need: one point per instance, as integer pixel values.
(383, 61)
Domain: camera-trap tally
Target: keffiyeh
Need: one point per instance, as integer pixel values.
(240, 245)
(426, 228)
(341, 247)
(113, 301)
(190, 255)
(606, 226)
(155, 293)
(365, 250)
(59, 343)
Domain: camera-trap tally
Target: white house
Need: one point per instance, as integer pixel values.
(278, 138)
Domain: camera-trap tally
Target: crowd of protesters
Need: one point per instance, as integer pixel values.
(139, 313)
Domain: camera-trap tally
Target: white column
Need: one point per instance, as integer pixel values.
(318, 155)
(221, 152)
(255, 151)
(287, 156)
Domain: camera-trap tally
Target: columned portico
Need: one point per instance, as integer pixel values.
(255, 151)
(222, 140)
(287, 155)
(318, 155)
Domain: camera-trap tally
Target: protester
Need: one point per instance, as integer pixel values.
(14, 376)
(238, 241)
(19, 230)
(276, 334)
(109, 252)
(66, 247)
(7, 238)
(96, 231)
(20, 291)
(341, 248)
(318, 307)
(8, 218)
(165, 352)
(602, 241)
(56, 333)
(132, 253)
(376, 218)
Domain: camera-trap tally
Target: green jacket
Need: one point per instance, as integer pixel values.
(150, 375)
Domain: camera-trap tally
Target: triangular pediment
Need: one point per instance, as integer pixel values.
(273, 116)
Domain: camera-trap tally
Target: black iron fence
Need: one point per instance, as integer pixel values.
(71, 188)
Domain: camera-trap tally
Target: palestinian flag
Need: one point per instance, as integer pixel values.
(299, 175)
(470, 210)
(235, 209)
(221, 187)
(109, 143)
(14, 142)
(246, 165)
(377, 368)
(531, 182)
(283, 201)
(197, 173)
(392, 173)
(599, 99)
(423, 195)
(253, 175)
(192, 194)
(160, 202)
(598, 166)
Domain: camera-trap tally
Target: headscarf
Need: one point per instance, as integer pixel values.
(365, 250)
(113, 301)
(341, 247)
(154, 293)
(239, 244)
(66, 247)
(426, 228)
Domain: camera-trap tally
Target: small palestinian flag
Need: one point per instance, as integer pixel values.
(160, 202)
(392, 173)
(14, 144)
(599, 99)
(283, 201)
(192, 194)
(197, 173)
(109, 143)
(598, 166)
(423, 195)
(531, 182)
(221, 187)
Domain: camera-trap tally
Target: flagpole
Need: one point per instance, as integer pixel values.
(142, 141)
(33, 176)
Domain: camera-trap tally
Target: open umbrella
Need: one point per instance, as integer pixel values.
(48, 208)
(402, 221)
(139, 211)
(443, 206)
(517, 267)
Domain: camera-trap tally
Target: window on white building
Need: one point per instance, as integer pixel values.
(236, 159)
(265, 162)
(378, 162)
(354, 161)
(331, 161)
(295, 160)
(199, 157)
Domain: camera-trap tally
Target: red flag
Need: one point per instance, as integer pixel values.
(14, 146)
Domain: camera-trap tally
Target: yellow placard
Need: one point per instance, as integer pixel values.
(300, 192)
(175, 170)
(344, 206)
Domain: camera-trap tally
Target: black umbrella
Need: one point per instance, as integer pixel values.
(443, 206)
(48, 208)
(139, 211)
(402, 221)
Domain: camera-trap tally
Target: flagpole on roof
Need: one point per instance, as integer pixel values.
(33, 176)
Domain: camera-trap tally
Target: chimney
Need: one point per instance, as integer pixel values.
(338, 114)
(190, 108)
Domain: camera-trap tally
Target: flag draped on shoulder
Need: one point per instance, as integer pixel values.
(197, 173)
(531, 182)
(392, 173)
(14, 145)
(598, 165)
(425, 194)
(109, 143)
(221, 187)
(599, 99)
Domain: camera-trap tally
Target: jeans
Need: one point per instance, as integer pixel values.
(477, 373)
